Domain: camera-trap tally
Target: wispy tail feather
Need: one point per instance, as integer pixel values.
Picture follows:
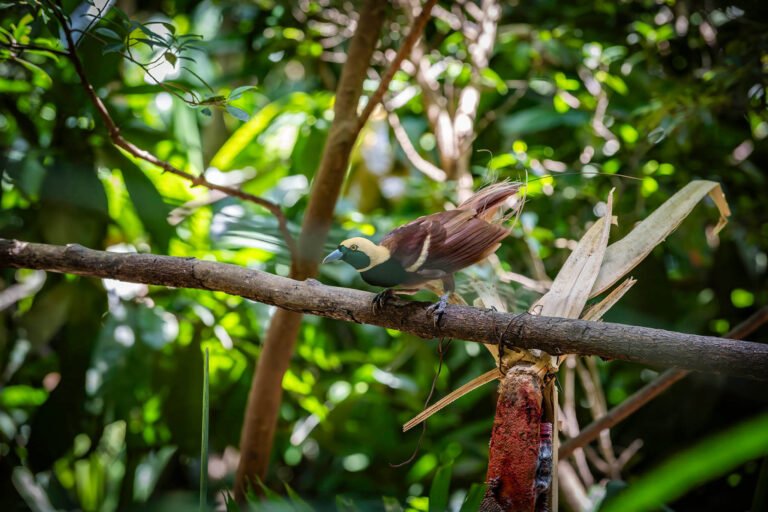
(488, 202)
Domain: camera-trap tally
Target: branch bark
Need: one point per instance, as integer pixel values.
(650, 391)
(655, 347)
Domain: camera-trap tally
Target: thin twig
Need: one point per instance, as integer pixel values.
(628, 453)
(651, 391)
(119, 141)
(405, 49)
(605, 443)
(426, 167)
(598, 408)
(572, 488)
(498, 112)
(571, 423)
(32, 47)
(441, 354)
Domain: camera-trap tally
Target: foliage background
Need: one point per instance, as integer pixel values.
(99, 382)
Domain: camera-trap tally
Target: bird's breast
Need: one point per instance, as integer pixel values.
(387, 274)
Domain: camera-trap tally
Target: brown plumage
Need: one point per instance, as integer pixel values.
(435, 246)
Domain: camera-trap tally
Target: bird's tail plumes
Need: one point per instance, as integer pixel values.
(489, 202)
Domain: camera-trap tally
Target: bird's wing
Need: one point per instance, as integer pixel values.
(409, 244)
(445, 242)
(465, 244)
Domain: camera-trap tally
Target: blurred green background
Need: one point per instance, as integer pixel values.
(100, 382)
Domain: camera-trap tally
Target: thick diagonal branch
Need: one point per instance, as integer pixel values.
(265, 395)
(645, 345)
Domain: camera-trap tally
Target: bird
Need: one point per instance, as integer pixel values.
(432, 248)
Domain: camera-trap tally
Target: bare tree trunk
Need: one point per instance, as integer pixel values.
(266, 392)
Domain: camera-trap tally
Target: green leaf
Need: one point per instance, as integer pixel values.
(707, 460)
(112, 48)
(187, 132)
(39, 77)
(244, 136)
(474, 498)
(539, 119)
(170, 26)
(201, 79)
(299, 505)
(147, 31)
(493, 79)
(239, 91)
(230, 503)
(271, 495)
(13, 397)
(22, 27)
(439, 493)
(204, 435)
(108, 33)
(149, 42)
(151, 467)
(617, 84)
(14, 86)
(238, 113)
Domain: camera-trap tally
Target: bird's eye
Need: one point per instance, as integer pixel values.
(353, 247)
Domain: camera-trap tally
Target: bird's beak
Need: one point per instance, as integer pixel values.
(335, 255)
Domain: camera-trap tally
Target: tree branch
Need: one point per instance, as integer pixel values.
(119, 141)
(32, 47)
(417, 27)
(427, 168)
(650, 391)
(553, 335)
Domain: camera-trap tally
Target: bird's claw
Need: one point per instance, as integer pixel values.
(437, 310)
(380, 300)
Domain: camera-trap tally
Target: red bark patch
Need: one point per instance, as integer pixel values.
(514, 447)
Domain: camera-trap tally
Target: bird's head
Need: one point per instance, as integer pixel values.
(359, 252)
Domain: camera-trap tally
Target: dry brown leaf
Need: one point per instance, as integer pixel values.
(597, 311)
(571, 288)
(454, 395)
(627, 253)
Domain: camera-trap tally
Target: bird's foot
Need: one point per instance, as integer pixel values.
(381, 299)
(437, 310)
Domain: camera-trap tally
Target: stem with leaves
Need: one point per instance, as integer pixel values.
(118, 140)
